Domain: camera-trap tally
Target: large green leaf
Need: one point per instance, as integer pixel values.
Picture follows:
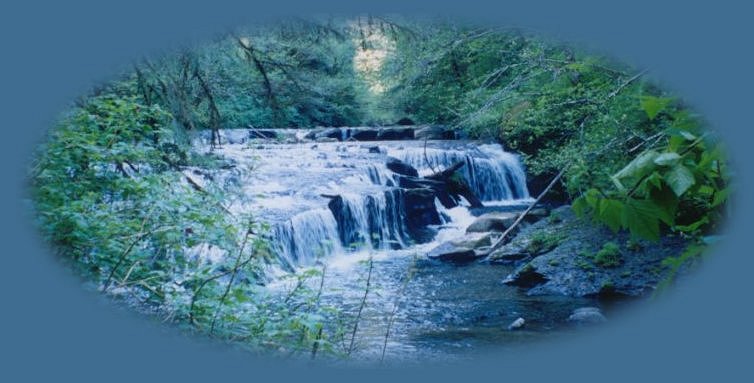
(610, 213)
(642, 219)
(639, 167)
(680, 179)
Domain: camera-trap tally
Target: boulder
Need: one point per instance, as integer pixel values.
(439, 187)
(362, 134)
(420, 212)
(395, 133)
(496, 221)
(400, 167)
(263, 133)
(508, 254)
(587, 315)
(465, 249)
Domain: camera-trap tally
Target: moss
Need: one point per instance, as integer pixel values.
(553, 262)
(543, 241)
(608, 287)
(625, 274)
(608, 256)
(633, 245)
(584, 265)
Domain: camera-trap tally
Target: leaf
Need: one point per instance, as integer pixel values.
(680, 179)
(579, 206)
(721, 196)
(667, 159)
(654, 105)
(640, 166)
(641, 219)
(610, 213)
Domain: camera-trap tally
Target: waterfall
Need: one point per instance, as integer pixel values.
(492, 173)
(306, 236)
(334, 198)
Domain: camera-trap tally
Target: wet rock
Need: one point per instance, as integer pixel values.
(587, 315)
(536, 214)
(517, 324)
(527, 276)
(465, 249)
(374, 149)
(395, 133)
(365, 134)
(440, 189)
(509, 254)
(421, 212)
(434, 132)
(263, 133)
(401, 167)
(496, 221)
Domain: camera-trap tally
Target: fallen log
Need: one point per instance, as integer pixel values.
(456, 186)
(447, 173)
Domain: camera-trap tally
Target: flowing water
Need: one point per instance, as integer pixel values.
(426, 308)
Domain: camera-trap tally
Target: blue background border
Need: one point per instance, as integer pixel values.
(53, 330)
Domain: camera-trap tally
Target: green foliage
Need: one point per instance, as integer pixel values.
(682, 185)
(111, 197)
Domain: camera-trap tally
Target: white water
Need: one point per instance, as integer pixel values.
(284, 184)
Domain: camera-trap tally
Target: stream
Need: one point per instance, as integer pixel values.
(432, 310)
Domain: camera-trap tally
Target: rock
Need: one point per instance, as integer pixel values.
(508, 254)
(362, 134)
(517, 324)
(570, 268)
(536, 214)
(395, 133)
(587, 315)
(420, 210)
(527, 276)
(496, 221)
(401, 167)
(439, 187)
(434, 132)
(374, 149)
(263, 133)
(465, 249)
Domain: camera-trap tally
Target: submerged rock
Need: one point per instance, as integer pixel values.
(517, 324)
(587, 315)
